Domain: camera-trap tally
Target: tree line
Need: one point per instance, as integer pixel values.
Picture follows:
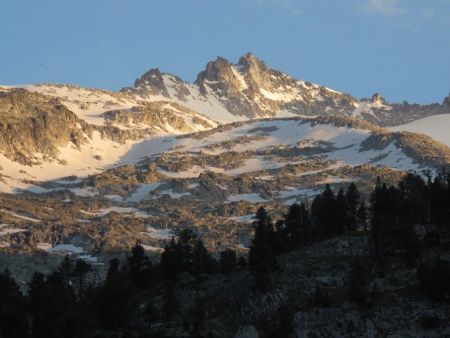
(66, 303)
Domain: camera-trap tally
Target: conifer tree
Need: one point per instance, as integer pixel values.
(80, 270)
(13, 314)
(352, 197)
(227, 261)
(139, 267)
(115, 302)
(297, 226)
(361, 216)
(261, 257)
(171, 260)
(341, 216)
(202, 262)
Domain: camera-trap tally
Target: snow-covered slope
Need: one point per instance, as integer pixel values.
(233, 149)
(91, 105)
(41, 139)
(437, 127)
(333, 141)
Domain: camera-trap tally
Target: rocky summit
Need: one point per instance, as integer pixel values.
(250, 89)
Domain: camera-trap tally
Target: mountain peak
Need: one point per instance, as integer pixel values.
(216, 70)
(153, 82)
(249, 61)
(446, 102)
(219, 73)
(377, 98)
(221, 69)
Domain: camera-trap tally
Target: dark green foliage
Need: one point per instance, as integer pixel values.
(52, 306)
(352, 198)
(171, 260)
(357, 282)
(262, 257)
(434, 278)
(151, 312)
(170, 300)
(283, 323)
(228, 261)
(342, 214)
(261, 250)
(188, 254)
(66, 269)
(323, 212)
(362, 216)
(321, 298)
(298, 230)
(393, 221)
(139, 267)
(80, 270)
(439, 205)
(202, 261)
(429, 322)
(115, 303)
(13, 316)
(197, 318)
(242, 263)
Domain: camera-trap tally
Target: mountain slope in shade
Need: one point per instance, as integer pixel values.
(436, 126)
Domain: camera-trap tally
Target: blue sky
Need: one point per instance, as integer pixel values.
(400, 48)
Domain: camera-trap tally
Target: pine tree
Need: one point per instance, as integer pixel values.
(323, 213)
(170, 300)
(261, 257)
(52, 305)
(115, 302)
(261, 252)
(13, 314)
(242, 263)
(297, 226)
(352, 197)
(202, 262)
(434, 278)
(66, 269)
(341, 214)
(362, 216)
(80, 270)
(171, 260)
(139, 267)
(227, 261)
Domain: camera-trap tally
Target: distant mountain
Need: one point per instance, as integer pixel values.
(249, 89)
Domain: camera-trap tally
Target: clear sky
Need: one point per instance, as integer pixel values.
(400, 48)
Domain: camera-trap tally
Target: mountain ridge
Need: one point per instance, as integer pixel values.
(251, 89)
(116, 128)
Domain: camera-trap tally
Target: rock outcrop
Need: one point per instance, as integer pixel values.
(33, 126)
